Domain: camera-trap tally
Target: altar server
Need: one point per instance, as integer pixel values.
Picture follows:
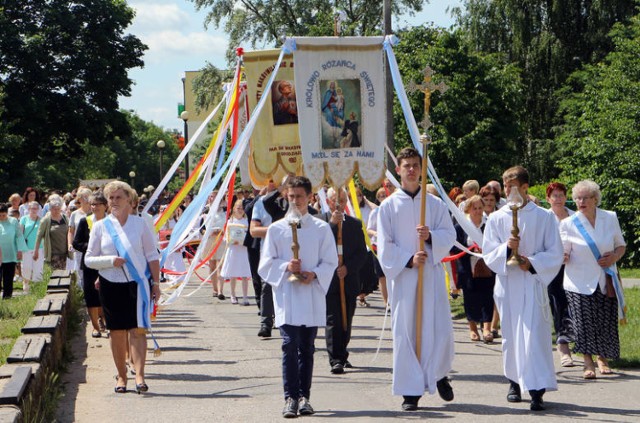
(520, 291)
(299, 305)
(400, 239)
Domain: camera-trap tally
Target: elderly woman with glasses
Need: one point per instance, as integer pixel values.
(98, 206)
(52, 233)
(593, 243)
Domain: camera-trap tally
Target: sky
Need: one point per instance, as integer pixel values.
(178, 41)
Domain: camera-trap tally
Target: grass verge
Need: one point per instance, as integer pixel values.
(630, 273)
(15, 312)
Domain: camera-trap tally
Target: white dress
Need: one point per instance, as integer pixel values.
(398, 217)
(521, 296)
(236, 258)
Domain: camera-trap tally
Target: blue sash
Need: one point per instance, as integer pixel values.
(143, 283)
(617, 286)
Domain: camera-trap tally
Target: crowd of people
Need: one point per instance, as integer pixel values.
(565, 262)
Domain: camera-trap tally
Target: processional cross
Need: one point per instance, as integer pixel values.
(427, 87)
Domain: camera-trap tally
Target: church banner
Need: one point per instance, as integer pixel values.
(275, 142)
(340, 86)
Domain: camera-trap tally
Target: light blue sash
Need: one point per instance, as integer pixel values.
(143, 296)
(617, 286)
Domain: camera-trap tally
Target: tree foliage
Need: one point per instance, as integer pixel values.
(63, 65)
(600, 137)
(268, 22)
(548, 40)
(476, 132)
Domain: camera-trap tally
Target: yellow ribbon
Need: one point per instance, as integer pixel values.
(356, 209)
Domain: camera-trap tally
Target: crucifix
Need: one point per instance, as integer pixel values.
(427, 87)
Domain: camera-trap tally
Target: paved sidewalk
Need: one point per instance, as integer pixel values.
(215, 369)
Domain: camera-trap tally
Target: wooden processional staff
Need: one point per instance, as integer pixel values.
(427, 87)
(343, 296)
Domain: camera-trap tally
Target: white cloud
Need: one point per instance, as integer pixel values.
(152, 16)
(171, 44)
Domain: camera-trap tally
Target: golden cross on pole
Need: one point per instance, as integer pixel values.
(427, 87)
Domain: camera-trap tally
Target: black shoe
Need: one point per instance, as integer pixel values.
(221, 296)
(348, 365)
(410, 403)
(264, 332)
(337, 369)
(514, 392)
(444, 389)
(537, 404)
(290, 409)
(304, 407)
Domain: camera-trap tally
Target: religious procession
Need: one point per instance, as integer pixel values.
(301, 206)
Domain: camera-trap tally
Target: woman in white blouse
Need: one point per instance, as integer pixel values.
(592, 304)
(126, 300)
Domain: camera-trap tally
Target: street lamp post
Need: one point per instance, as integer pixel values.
(161, 144)
(132, 175)
(185, 118)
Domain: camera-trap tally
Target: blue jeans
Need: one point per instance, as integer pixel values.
(297, 360)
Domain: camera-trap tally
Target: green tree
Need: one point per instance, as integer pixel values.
(600, 136)
(63, 65)
(267, 22)
(476, 132)
(547, 39)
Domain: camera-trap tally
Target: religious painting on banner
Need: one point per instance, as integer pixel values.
(340, 85)
(274, 149)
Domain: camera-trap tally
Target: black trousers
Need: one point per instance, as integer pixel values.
(266, 306)
(337, 338)
(7, 272)
(560, 309)
(297, 360)
(254, 261)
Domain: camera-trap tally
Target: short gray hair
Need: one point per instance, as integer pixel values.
(589, 186)
(84, 193)
(55, 201)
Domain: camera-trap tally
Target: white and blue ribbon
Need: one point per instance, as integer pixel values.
(144, 294)
(469, 228)
(617, 286)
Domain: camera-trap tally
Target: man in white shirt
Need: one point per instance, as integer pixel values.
(300, 306)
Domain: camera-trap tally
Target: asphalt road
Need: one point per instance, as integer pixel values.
(214, 368)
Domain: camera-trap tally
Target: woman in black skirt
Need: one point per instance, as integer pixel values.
(474, 277)
(122, 249)
(90, 276)
(593, 305)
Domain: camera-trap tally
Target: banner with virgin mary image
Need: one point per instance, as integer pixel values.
(340, 88)
(274, 150)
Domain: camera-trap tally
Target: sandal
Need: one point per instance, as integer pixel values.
(120, 389)
(474, 336)
(141, 387)
(589, 374)
(487, 337)
(603, 366)
(566, 360)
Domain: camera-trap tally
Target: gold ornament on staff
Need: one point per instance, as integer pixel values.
(293, 218)
(427, 87)
(515, 203)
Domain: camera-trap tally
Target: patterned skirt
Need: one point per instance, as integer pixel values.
(594, 320)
